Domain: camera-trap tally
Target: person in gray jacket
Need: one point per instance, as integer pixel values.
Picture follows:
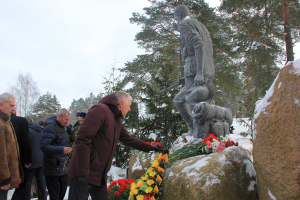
(36, 169)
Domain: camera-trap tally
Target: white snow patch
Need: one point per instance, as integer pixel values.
(296, 101)
(249, 168)
(251, 186)
(153, 136)
(116, 173)
(211, 180)
(296, 65)
(262, 104)
(271, 195)
(279, 85)
(137, 164)
(171, 174)
(197, 165)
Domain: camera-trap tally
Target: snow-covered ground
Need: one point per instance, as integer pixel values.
(118, 173)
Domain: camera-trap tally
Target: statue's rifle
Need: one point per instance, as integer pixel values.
(180, 81)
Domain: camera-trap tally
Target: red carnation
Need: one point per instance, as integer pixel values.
(146, 197)
(122, 189)
(117, 193)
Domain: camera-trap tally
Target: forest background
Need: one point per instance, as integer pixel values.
(253, 40)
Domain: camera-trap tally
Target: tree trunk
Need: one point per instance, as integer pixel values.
(287, 31)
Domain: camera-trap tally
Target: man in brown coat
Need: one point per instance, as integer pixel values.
(9, 150)
(95, 146)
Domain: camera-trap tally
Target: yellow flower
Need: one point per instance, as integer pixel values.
(140, 183)
(133, 186)
(152, 174)
(140, 197)
(158, 179)
(150, 182)
(150, 170)
(145, 178)
(161, 170)
(160, 156)
(155, 163)
(166, 158)
(155, 190)
(130, 195)
(135, 191)
(149, 190)
(152, 198)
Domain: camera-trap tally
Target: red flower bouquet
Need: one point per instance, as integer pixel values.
(119, 189)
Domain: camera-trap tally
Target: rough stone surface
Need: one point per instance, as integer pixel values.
(226, 175)
(276, 145)
(138, 165)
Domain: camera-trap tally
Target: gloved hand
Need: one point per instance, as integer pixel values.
(84, 180)
(155, 147)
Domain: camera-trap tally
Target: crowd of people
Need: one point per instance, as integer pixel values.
(30, 150)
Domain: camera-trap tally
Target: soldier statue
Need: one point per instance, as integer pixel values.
(197, 54)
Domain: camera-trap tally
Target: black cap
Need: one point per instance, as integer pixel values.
(41, 123)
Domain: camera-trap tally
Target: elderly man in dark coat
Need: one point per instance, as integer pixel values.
(36, 169)
(20, 125)
(55, 145)
(95, 146)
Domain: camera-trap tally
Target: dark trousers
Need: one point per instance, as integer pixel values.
(78, 191)
(3, 194)
(41, 183)
(20, 193)
(57, 186)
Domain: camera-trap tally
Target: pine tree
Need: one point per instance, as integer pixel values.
(261, 29)
(45, 107)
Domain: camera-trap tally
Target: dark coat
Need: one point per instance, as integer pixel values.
(20, 125)
(97, 140)
(54, 139)
(35, 135)
(9, 153)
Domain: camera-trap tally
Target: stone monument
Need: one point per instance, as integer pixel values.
(193, 100)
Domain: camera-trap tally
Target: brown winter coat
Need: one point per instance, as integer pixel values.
(97, 140)
(9, 153)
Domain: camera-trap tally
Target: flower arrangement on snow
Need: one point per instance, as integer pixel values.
(119, 189)
(210, 144)
(147, 187)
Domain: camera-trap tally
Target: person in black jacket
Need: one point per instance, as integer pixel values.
(20, 125)
(55, 146)
(36, 169)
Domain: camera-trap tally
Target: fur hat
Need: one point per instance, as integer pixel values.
(81, 114)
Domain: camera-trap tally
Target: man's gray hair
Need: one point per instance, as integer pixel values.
(63, 111)
(29, 120)
(121, 95)
(5, 96)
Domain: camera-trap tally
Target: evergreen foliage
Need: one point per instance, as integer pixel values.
(83, 105)
(46, 106)
(261, 28)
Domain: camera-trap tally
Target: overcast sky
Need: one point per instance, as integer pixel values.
(68, 45)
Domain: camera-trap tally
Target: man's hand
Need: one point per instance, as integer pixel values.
(155, 147)
(27, 165)
(5, 187)
(199, 80)
(67, 150)
(84, 180)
